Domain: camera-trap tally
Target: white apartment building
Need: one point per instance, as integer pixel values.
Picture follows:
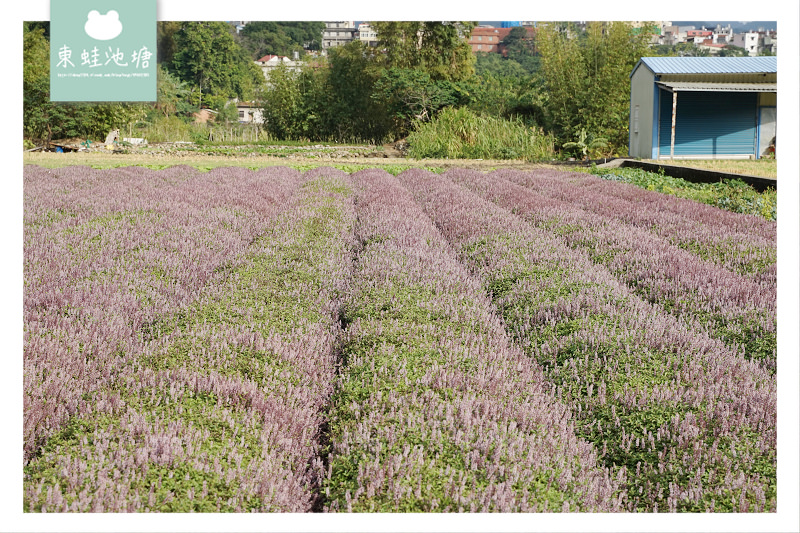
(748, 41)
(367, 34)
(338, 33)
(722, 35)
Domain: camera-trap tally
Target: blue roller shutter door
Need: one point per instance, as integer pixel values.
(709, 123)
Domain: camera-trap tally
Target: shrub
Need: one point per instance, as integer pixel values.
(460, 133)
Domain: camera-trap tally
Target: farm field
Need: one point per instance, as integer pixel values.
(278, 340)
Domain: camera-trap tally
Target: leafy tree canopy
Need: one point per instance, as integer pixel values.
(165, 35)
(208, 57)
(440, 48)
(733, 51)
(412, 95)
(680, 50)
(172, 94)
(495, 65)
(280, 38)
(519, 42)
(587, 78)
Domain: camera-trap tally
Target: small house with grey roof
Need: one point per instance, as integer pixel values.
(703, 107)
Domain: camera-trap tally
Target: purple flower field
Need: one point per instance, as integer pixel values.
(276, 341)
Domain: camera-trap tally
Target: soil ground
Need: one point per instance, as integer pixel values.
(169, 154)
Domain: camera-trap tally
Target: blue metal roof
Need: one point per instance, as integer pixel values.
(710, 65)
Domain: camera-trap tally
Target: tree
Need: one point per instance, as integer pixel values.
(282, 105)
(172, 93)
(610, 53)
(587, 79)
(165, 35)
(36, 105)
(564, 76)
(733, 51)
(228, 114)
(412, 95)
(690, 50)
(280, 38)
(495, 65)
(307, 33)
(209, 58)
(350, 113)
(519, 42)
(520, 47)
(440, 48)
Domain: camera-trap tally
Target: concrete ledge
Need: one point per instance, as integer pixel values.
(699, 175)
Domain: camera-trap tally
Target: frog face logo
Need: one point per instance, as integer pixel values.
(103, 27)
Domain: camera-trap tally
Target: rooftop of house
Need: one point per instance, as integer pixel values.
(710, 42)
(270, 57)
(709, 65)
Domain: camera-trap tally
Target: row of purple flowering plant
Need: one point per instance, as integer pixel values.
(734, 307)
(216, 405)
(435, 410)
(687, 422)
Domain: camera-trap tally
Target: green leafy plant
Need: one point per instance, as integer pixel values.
(732, 195)
(461, 133)
(587, 144)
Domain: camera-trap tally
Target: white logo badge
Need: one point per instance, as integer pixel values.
(103, 27)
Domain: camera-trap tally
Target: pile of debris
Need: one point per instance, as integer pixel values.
(112, 144)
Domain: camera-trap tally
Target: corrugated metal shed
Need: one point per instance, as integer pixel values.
(710, 65)
(702, 106)
(710, 124)
(718, 87)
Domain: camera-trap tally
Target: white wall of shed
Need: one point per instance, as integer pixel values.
(642, 96)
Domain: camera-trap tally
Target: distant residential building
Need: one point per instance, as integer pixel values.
(683, 32)
(338, 33)
(270, 62)
(769, 42)
(748, 40)
(709, 45)
(670, 35)
(367, 34)
(250, 113)
(722, 35)
(487, 38)
(698, 36)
